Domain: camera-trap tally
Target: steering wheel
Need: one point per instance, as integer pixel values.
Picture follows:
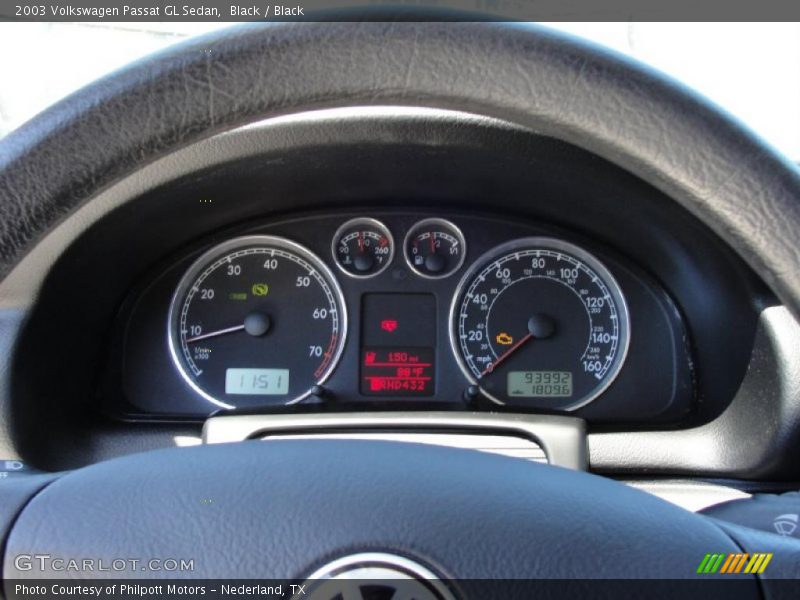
(286, 508)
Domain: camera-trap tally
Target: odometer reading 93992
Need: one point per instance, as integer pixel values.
(257, 320)
(540, 322)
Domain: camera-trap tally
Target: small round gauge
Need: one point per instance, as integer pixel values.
(255, 321)
(435, 248)
(363, 247)
(539, 322)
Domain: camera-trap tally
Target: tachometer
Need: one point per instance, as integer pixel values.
(540, 322)
(257, 320)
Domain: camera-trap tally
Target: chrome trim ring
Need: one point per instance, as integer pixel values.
(444, 224)
(402, 578)
(369, 221)
(189, 277)
(560, 246)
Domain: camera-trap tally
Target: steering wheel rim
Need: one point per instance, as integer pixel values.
(529, 76)
(546, 82)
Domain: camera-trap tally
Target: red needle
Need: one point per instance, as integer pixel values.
(506, 354)
(433, 244)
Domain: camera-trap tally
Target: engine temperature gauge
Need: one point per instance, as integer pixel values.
(363, 247)
(435, 248)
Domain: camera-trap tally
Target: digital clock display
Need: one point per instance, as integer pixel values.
(540, 384)
(257, 382)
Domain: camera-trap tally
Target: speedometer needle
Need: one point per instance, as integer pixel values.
(506, 354)
(539, 326)
(212, 334)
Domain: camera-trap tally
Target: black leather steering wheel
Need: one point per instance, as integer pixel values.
(283, 508)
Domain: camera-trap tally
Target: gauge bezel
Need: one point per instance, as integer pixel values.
(354, 223)
(190, 276)
(442, 224)
(578, 253)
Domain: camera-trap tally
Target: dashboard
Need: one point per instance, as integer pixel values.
(393, 267)
(331, 285)
(399, 309)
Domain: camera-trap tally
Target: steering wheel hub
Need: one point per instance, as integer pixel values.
(375, 575)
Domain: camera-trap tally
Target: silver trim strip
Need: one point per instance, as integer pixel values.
(691, 495)
(563, 439)
(512, 446)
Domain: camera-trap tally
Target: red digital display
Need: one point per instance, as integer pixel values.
(397, 371)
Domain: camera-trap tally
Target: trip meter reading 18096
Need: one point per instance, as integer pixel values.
(540, 322)
(257, 320)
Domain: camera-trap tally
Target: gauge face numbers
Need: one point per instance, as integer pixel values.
(256, 321)
(363, 247)
(540, 322)
(435, 248)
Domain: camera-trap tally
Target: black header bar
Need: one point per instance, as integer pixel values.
(404, 10)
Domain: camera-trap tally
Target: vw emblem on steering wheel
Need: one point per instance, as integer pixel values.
(375, 575)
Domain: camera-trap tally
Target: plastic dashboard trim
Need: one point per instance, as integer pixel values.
(563, 439)
(609, 452)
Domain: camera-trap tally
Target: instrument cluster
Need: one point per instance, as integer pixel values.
(324, 312)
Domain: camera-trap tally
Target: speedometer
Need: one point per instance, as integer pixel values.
(258, 320)
(540, 322)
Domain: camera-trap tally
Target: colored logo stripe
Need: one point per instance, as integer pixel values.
(734, 562)
(710, 563)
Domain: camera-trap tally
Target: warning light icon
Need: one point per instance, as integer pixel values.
(504, 339)
(260, 289)
(389, 325)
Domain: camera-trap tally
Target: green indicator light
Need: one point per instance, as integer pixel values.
(237, 296)
(260, 289)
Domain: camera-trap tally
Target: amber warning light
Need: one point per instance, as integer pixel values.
(397, 372)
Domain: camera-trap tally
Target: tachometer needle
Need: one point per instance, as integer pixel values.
(212, 334)
(255, 324)
(506, 354)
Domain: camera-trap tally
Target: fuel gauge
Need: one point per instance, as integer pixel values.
(363, 247)
(435, 248)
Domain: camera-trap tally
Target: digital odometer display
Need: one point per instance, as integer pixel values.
(540, 384)
(250, 313)
(533, 309)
